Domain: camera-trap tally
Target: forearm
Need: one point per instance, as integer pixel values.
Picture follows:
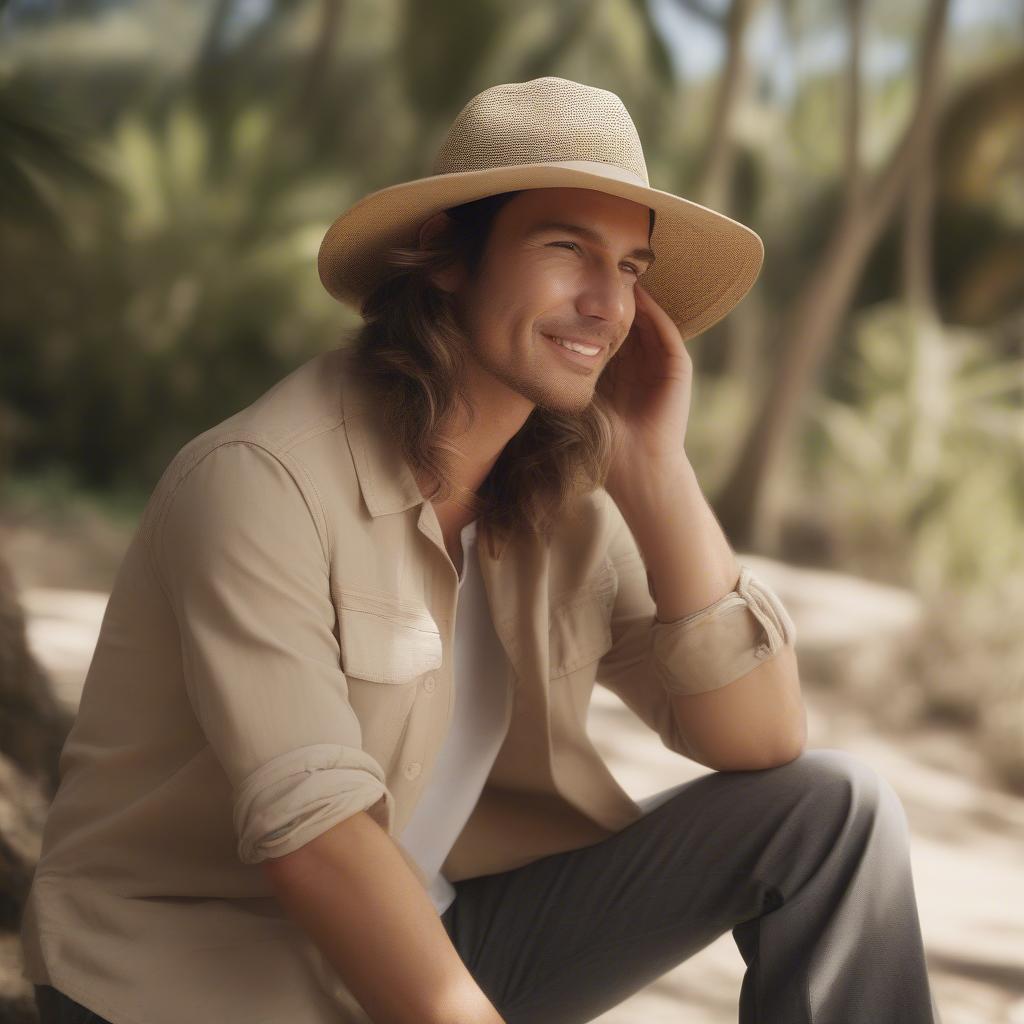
(353, 893)
(759, 719)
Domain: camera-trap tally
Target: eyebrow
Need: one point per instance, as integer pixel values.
(590, 234)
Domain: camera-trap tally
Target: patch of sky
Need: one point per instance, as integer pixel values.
(697, 48)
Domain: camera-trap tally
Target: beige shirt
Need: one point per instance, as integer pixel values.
(275, 656)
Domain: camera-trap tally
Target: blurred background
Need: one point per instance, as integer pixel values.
(167, 171)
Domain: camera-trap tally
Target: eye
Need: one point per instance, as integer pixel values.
(636, 270)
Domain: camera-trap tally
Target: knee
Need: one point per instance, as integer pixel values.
(842, 780)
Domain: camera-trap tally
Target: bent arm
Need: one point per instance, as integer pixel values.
(720, 681)
(352, 892)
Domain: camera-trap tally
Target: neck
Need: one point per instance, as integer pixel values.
(475, 449)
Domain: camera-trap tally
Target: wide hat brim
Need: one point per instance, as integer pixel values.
(706, 262)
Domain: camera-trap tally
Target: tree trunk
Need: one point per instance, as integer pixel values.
(748, 512)
(714, 177)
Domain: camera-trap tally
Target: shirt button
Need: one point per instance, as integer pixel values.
(412, 769)
(429, 684)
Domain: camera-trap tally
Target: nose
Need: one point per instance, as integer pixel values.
(606, 293)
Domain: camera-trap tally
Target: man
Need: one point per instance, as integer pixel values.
(331, 760)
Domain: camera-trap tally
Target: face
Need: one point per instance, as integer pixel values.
(538, 282)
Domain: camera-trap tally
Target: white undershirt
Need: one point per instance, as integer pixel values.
(475, 733)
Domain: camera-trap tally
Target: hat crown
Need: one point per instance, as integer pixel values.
(544, 120)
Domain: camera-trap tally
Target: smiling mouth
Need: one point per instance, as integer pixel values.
(577, 357)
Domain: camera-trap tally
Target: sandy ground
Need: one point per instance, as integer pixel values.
(966, 834)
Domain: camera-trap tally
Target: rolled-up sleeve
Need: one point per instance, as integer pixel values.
(716, 645)
(240, 548)
(650, 659)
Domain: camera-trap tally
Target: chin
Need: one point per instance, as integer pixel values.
(565, 404)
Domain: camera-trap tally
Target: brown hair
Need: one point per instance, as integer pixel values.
(411, 349)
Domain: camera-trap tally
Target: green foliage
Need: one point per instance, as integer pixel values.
(36, 158)
(921, 466)
(54, 498)
(165, 310)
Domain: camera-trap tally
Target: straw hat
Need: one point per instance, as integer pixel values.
(551, 133)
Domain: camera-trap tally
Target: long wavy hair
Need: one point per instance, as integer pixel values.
(412, 350)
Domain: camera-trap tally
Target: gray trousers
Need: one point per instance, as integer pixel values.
(807, 863)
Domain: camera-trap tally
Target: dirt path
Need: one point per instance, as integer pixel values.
(966, 834)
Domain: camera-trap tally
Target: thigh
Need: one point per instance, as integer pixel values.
(57, 1008)
(571, 935)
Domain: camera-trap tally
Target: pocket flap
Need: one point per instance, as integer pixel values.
(385, 641)
(581, 630)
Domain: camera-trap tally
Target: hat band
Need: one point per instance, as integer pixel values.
(613, 171)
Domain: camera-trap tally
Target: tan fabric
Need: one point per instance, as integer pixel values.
(276, 656)
(724, 641)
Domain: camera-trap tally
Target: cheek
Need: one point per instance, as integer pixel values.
(562, 282)
(548, 279)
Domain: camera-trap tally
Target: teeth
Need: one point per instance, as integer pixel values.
(587, 350)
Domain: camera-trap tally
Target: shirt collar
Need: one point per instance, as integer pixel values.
(386, 480)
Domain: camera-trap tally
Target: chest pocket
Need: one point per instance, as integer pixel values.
(580, 625)
(386, 649)
(384, 640)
